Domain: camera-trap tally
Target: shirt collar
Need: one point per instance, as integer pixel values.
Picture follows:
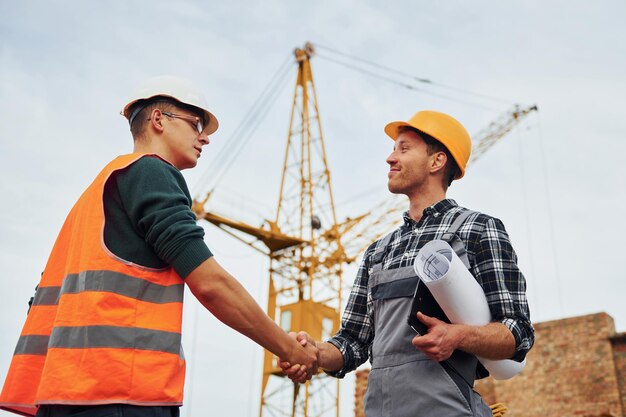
(436, 209)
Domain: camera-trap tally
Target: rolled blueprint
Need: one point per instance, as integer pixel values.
(459, 296)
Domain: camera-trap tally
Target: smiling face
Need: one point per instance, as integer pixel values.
(409, 164)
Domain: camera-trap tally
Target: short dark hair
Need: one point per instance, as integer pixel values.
(143, 108)
(451, 170)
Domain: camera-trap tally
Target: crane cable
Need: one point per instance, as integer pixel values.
(546, 182)
(238, 139)
(243, 132)
(406, 75)
(403, 84)
(526, 208)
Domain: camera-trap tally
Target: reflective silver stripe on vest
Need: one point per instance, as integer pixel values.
(85, 337)
(114, 282)
(47, 296)
(32, 345)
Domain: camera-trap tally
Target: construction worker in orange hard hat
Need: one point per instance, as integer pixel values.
(103, 335)
(445, 129)
(430, 373)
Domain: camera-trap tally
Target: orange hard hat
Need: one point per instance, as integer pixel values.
(442, 127)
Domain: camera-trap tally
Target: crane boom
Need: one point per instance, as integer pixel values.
(497, 129)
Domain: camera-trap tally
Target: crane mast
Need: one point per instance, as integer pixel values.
(303, 243)
(305, 279)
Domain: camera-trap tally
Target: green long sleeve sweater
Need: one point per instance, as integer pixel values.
(148, 218)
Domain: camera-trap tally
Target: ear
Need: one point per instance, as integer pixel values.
(438, 162)
(156, 120)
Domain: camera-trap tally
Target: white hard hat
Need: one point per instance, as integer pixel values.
(177, 88)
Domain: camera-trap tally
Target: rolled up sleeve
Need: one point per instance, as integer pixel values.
(356, 334)
(504, 285)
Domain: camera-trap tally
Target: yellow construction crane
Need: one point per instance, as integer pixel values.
(304, 242)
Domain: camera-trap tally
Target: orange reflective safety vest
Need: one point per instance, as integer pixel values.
(101, 330)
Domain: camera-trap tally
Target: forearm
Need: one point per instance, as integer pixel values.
(230, 303)
(492, 341)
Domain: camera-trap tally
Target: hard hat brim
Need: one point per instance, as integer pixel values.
(210, 128)
(392, 128)
(213, 124)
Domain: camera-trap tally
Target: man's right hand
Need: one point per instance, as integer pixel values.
(297, 370)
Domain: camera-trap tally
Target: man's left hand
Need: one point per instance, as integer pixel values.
(440, 341)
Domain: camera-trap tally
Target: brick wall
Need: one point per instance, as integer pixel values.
(359, 391)
(577, 368)
(619, 356)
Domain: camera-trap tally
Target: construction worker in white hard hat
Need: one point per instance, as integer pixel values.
(103, 334)
(430, 373)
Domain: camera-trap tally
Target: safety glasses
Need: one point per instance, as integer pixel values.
(195, 121)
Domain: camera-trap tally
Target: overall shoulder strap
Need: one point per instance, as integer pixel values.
(453, 238)
(381, 248)
(456, 224)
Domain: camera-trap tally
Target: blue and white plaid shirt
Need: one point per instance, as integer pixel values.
(493, 263)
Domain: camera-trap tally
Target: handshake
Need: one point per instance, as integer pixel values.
(305, 361)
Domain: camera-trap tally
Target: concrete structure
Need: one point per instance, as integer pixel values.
(577, 368)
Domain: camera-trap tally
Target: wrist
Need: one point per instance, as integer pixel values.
(290, 348)
(463, 336)
(329, 358)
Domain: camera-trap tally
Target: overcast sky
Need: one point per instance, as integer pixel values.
(66, 68)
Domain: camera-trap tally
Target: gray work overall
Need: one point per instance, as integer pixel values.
(403, 381)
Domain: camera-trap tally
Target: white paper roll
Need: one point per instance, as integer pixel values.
(459, 296)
